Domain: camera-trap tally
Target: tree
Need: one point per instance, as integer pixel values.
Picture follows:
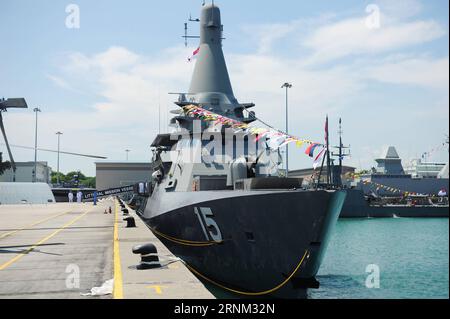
(72, 177)
(54, 177)
(3, 165)
(88, 182)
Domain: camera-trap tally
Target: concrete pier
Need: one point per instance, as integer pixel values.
(172, 281)
(63, 250)
(54, 250)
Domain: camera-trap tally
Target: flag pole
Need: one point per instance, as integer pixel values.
(327, 156)
(320, 172)
(328, 153)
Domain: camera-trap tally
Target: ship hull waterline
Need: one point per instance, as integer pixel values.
(271, 243)
(356, 206)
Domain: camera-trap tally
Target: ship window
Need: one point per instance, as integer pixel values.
(171, 184)
(211, 182)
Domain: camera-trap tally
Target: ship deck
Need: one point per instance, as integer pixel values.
(63, 250)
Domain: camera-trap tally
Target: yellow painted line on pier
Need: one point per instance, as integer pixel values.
(118, 282)
(32, 225)
(157, 288)
(17, 257)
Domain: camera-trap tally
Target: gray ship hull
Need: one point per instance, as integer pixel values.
(272, 242)
(356, 206)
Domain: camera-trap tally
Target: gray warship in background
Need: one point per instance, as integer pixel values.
(235, 225)
(368, 200)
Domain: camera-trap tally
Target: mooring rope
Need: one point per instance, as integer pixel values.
(247, 293)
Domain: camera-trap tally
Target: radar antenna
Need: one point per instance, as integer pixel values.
(341, 154)
(186, 36)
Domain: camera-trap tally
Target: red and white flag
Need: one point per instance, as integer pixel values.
(194, 54)
(317, 160)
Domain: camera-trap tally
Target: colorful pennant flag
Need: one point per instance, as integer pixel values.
(310, 149)
(318, 158)
(194, 54)
(274, 139)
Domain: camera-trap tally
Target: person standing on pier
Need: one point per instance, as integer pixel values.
(79, 195)
(70, 195)
(95, 197)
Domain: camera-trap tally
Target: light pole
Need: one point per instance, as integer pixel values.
(287, 86)
(35, 110)
(127, 151)
(57, 163)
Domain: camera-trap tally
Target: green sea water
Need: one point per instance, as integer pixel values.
(411, 254)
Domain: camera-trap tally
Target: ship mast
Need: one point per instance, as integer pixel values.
(337, 180)
(328, 153)
(210, 85)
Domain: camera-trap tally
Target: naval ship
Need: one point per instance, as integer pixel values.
(390, 191)
(236, 225)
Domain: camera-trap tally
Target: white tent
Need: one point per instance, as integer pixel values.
(25, 193)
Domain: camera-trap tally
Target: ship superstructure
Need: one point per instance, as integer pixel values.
(218, 203)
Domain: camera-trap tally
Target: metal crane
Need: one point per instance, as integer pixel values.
(14, 103)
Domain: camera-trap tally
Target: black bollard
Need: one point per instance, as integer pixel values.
(149, 256)
(130, 221)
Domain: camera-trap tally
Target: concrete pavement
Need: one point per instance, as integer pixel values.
(62, 250)
(172, 281)
(54, 251)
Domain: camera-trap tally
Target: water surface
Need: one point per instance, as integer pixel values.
(412, 255)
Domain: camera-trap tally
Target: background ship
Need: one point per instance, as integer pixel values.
(237, 227)
(389, 191)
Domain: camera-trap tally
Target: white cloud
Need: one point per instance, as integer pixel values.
(414, 71)
(58, 81)
(268, 34)
(331, 36)
(129, 85)
(261, 77)
(352, 37)
(131, 91)
(399, 9)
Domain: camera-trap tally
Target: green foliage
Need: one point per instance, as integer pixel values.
(88, 182)
(54, 177)
(69, 177)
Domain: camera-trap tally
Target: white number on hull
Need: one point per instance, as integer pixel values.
(209, 225)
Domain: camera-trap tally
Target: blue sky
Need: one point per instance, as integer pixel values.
(101, 84)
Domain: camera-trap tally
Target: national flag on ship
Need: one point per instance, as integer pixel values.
(194, 54)
(310, 149)
(318, 159)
